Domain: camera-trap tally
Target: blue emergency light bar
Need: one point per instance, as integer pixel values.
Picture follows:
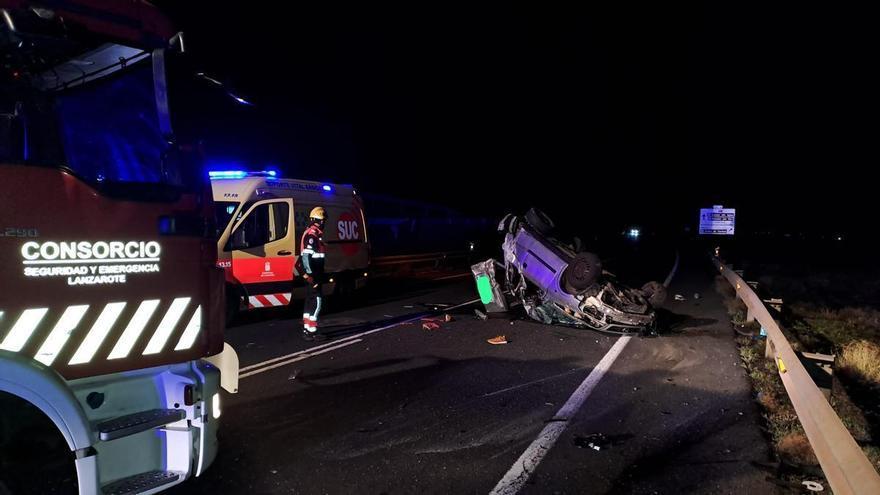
(327, 187)
(227, 174)
(239, 174)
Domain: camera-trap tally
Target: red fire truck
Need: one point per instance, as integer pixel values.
(111, 306)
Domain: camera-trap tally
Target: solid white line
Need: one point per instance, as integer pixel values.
(89, 262)
(298, 358)
(355, 336)
(450, 277)
(519, 473)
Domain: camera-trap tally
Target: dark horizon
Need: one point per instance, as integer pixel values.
(643, 115)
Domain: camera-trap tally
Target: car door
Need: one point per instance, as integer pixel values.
(262, 246)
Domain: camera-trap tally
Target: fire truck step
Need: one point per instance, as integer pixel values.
(124, 426)
(141, 483)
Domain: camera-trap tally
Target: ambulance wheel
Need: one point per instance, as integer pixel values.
(233, 303)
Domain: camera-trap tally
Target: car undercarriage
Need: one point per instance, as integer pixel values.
(556, 283)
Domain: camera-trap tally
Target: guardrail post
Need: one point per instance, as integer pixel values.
(750, 316)
(846, 467)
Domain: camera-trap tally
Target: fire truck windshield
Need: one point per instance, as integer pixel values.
(109, 129)
(102, 114)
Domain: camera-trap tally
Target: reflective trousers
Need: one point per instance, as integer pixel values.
(312, 307)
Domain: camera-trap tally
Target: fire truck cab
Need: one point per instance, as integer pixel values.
(261, 218)
(111, 306)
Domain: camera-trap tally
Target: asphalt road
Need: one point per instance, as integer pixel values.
(409, 410)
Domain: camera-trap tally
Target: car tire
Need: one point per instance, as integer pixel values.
(539, 221)
(583, 271)
(654, 292)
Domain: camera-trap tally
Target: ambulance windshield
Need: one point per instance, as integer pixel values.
(223, 211)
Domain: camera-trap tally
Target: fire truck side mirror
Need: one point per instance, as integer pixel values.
(11, 138)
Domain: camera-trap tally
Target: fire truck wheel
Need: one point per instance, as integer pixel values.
(34, 457)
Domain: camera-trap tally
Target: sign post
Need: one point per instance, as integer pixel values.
(717, 220)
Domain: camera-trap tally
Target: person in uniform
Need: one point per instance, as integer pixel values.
(312, 256)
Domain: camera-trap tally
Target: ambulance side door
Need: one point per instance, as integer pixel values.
(262, 246)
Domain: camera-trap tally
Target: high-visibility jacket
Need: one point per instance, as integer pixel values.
(312, 250)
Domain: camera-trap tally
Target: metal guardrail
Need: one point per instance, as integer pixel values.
(845, 465)
(410, 259)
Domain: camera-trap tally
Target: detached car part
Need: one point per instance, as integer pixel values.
(561, 286)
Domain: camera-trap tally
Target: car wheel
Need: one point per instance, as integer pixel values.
(582, 272)
(539, 221)
(654, 293)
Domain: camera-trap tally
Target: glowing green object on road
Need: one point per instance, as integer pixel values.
(484, 287)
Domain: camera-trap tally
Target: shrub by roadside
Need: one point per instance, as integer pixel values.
(845, 332)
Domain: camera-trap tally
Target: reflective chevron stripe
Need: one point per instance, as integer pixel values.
(98, 333)
(134, 329)
(166, 326)
(22, 330)
(67, 330)
(269, 300)
(56, 340)
(192, 331)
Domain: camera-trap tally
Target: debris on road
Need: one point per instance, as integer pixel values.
(499, 340)
(434, 323)
(479, 314)
(596, 441)
(696, 295)
(294, 375)
(813, 486)
(679, 297)
(437, 306)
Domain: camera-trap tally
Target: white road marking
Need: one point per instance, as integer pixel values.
(671, 272)
(450, 277)
(298, 358)
(519, 473)
(311, 351)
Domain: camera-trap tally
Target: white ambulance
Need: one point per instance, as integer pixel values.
(261, 218)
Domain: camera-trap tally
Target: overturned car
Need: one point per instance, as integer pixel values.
(558, 283)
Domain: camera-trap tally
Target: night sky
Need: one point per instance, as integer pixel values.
(600, 115)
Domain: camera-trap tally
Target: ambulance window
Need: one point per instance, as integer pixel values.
(281, 217)
(253, 230)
